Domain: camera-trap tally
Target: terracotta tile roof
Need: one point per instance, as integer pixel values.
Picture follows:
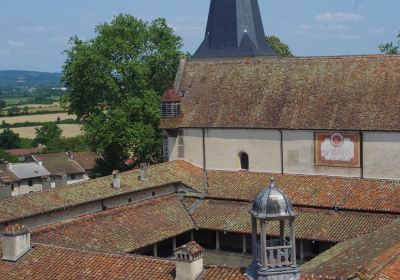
(49, 263)
(12, 209)
(46, 262)
(170, 95)
(223, 273)
(87, 160)
(132, 227)
(312, 191)
(366, 256)
(6, 176)
(120, 230)
(352, 92)
(24, 152)
(311, 224)
(391, 271)
(192, 248)
(59, 163)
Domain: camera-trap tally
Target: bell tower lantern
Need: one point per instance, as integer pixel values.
(273, 258)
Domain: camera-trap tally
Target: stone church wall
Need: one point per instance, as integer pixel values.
(381, 155)
(380, 152)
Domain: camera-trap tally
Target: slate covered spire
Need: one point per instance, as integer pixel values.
(234, 29)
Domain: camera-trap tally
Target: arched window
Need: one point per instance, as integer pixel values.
(244, 161)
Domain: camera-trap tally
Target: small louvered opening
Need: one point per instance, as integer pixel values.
(170, 109)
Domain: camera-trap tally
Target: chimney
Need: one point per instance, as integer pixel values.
(189, 261)
(16, 242)
(40, 163)
(10, 166)
(116, 180)
(143, 172)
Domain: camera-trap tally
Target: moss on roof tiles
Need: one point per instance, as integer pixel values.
(354, 92)
(98, 189)
(366, 255)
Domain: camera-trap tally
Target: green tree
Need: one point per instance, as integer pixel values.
(3, 104)
(279, 47)
(6, 158)
(391, 48)
(115, 81)
(48, 133)
(9, 139)
(13, 111)
(26, 110)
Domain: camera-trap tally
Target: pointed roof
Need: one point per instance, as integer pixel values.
(234, 29)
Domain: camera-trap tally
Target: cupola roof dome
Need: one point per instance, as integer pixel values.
(272, 203)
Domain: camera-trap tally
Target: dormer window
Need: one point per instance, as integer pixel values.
(170, 104)
(170, 109)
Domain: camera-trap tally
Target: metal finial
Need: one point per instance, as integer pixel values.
(272, 182)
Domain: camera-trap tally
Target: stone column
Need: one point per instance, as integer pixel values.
(217, 245)
(254, 236)
(301, 250)
(282, 232)
(174, 243)
(155, 250)
(292, 242)
(263, 243)
(244, 244)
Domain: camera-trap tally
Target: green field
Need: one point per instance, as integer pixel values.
(12, 101)
(15, 100)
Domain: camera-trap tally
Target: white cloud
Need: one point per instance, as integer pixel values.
(16, 44)
(338, 17)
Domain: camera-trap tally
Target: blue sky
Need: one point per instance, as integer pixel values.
(33, 34)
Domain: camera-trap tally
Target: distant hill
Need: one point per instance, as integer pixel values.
(17, 78)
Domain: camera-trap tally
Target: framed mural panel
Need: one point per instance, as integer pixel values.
(341, 149)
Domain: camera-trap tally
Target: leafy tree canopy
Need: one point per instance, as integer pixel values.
(9, 139)
(6, 158)
(48, 133)
(391, 48)
(3, 104)
(115, 83)
(279, 47)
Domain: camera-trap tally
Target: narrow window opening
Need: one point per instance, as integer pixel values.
(244, 161)
(129, 200)
(30, 183)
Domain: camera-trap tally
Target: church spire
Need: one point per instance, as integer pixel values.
(234, 29)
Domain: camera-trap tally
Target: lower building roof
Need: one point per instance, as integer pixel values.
(58, 163)
(87, 160)
(120, 230)
(352, 194)
(28, 170)
(367, 256)
(311, 224)
(367, 195)
(132, 227)
(44, 262)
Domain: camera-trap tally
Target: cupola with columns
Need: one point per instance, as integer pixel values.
(273, 258)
